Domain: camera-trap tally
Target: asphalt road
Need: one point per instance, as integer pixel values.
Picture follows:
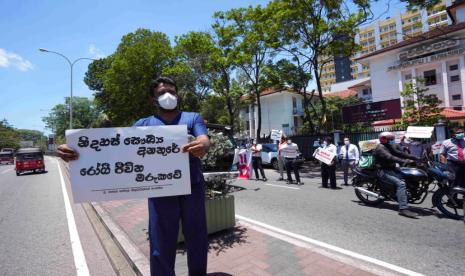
(431, 245)
(34, 234)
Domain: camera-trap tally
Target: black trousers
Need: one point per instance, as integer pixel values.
(257, 165)
(290, 166)
(328, 172)
(457, 170)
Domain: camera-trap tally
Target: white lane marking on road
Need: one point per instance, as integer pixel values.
(78, 253)
(7, 170)
(331, 247)
(274, 185)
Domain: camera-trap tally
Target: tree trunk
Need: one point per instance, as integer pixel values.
(320, 95)
(259, 113)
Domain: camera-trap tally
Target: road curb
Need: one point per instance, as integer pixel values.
(134, 256)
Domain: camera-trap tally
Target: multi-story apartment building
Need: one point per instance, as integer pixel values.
(384, 33)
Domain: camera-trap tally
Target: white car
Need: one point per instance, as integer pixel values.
(270, 155)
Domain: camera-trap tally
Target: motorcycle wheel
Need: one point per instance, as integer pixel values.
(368, 200)
(442, 200)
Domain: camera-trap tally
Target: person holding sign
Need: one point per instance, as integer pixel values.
(166, 212)
(257, 160)
(290, 151)
(453, 154)
(328, 171)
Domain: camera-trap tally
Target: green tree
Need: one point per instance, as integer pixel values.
(311, 33)
(85, 114)
(419, 107)
(9, 138)
(121, 81)
(244, 29)
(38, 137)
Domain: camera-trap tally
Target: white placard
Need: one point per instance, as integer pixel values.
(419, 132)
(276, 134)
(128, 162)
(324, 156)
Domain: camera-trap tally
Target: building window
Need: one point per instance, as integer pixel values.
(366, 92)
(454, 78)
(456, 97)
(430, 77)
(458, 108)
(453, 67)
(247, 110)
(294, 102)
(408, 77)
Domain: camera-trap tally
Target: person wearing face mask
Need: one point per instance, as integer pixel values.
(452, 154)
(349, 156)
(166, 212)
(387, 155)
(328, 172)
(290, 152)
(257, 160)
(282, 142)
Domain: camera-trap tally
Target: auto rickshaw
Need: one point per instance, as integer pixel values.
(7, 158)
(29, 159)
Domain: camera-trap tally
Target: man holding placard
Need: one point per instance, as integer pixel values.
(166, 212)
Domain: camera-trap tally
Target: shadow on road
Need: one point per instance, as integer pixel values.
(421, 211)
(30, 173)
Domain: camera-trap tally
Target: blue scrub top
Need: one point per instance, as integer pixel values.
(195, 127)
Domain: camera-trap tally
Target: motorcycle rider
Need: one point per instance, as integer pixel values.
(386, 156)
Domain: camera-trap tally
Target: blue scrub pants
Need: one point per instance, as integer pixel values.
(164, 215)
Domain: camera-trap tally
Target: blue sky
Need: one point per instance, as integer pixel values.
(32, 82)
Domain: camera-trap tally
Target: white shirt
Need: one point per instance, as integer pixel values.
(259, 152)
(331, 148)
(353, 152)
(290, 150)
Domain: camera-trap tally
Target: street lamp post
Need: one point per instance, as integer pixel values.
(71, 64)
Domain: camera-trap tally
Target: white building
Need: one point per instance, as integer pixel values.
(281, 109)
(437, 56)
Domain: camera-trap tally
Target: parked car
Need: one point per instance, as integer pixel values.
(29, 159)
(270, 155)
(7, 157)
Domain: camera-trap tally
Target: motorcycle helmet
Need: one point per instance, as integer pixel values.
(385, 137)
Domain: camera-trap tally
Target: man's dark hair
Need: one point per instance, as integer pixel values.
(329, 139)
(155, 83)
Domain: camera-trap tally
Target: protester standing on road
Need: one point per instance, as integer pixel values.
(329, 171)
(282, 142)
(290, 152)
(257, 160)
(349, 156)
(453, 154)
(166, 212)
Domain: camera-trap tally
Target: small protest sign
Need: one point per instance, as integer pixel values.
(243, 158)
(324, 156)
(419, 132)
(128, 162)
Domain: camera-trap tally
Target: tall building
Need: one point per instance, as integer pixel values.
(382, 34)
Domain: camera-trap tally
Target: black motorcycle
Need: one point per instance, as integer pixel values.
(372, 190)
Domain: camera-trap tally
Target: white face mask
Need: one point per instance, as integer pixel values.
(168, 101)
(346, 142)
(325, 143)
(289, 142)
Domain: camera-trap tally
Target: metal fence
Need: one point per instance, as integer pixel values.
(307, 144)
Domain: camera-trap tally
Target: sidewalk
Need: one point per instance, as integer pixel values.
(246, 249)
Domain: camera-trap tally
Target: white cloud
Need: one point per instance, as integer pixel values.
(95, 52)
(8, 59)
